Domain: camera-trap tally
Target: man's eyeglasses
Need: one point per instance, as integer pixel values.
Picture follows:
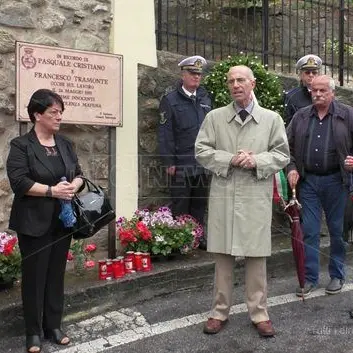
(308, 72)
(239, 80)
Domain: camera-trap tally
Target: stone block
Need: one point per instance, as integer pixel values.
(4, 82)
(5, 188)
(100, 8)
(88, 4)
(7, 42)
(149, 121)
(4, 103)
(149, 104)
(51, 21)
(80, 14)
(37, 3)
(69, 5)
(98, 165)
(2, 130)
(84, 145)
(148, 142)
(87, 41)
(16, 15)
(101, 146)
(147, 84)
(45, 40)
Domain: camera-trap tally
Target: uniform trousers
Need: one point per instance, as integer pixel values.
(189, 195)
(43, 269)
(255, 287)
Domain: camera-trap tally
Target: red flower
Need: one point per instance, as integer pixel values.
(8, 248)
(89, 264)
(147, 235)
(144, 231)
(127, 236)
(69, 256)
(141, 227)
(91, 247)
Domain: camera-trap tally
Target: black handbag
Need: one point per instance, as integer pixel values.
(93, 211)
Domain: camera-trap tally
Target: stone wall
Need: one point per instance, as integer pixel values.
(78, 24)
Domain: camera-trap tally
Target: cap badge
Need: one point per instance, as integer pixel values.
(311, 62)
(198, 63)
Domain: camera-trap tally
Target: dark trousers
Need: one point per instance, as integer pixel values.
(316, 193)
(190, 195)
(43, 269)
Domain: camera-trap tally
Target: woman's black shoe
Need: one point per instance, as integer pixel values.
(33, 344)
(57, 336)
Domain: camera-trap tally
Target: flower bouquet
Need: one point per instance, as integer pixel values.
(82, 255)
(158, 233)
(10, 258)
(134, 234)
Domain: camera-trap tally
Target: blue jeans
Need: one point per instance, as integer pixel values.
(325, 192)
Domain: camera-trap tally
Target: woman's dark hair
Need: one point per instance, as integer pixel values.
(41, 100)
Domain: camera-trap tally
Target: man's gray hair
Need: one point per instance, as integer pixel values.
(332, 84)
(249, 73)
(328, 79)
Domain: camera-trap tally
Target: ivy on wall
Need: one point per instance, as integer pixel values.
(268, 90)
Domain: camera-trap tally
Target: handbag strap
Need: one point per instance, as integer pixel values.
(90, 185)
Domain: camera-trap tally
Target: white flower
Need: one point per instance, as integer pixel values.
(159, 239)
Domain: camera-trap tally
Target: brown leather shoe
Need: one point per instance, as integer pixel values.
(213, 326)
(265, 329)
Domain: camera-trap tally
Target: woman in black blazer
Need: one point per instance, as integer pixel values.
(36, 163)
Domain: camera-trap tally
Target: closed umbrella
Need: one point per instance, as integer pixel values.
(292, 209)
(348, 220)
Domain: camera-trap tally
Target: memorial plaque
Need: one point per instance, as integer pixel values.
(90, 83)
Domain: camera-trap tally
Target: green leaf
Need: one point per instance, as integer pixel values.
(268, 90)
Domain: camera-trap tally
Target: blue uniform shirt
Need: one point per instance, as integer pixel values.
(181, 117)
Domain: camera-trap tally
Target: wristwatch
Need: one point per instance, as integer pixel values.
(48, 192)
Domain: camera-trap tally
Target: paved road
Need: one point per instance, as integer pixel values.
(174, 323)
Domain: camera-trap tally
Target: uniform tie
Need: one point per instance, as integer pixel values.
(193, 97)
(243, 114)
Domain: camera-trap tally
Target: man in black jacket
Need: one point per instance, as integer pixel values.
(182, 112)
(308, 67)
(321, 146)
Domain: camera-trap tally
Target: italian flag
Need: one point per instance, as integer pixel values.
(280, 190)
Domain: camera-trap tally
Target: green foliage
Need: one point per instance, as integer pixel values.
(247, 3)
(333, 45)
(139, 246)
(10, 267)
(168, 239)
(268, 90)
(158, 233)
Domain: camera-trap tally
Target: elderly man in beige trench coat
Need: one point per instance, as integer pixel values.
(243, 145)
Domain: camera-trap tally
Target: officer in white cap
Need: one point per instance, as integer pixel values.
(193, 64)
(308, 67)
(182, 112)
